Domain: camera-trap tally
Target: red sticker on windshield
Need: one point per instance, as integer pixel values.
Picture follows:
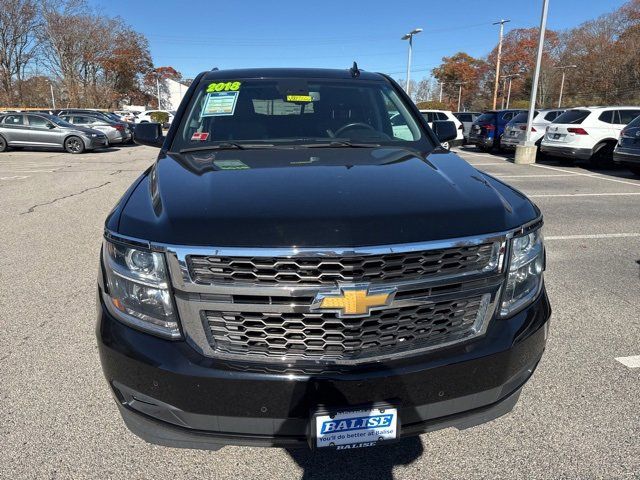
(202, 136)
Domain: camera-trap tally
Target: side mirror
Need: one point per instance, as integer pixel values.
(50, 125)
(445, 130)
(149, 134)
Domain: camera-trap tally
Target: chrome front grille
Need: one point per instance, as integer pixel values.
(260, 306)
(324, 336)
(313, 270)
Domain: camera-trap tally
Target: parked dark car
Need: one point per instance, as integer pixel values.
(47, 131)
(467, 119)
(627, 151)
(486, 132)
(295, 270)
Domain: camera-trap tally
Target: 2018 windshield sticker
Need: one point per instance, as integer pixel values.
(219, 104)
(223, 87)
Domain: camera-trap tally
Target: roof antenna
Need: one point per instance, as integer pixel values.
(215, 69)
(355, 73)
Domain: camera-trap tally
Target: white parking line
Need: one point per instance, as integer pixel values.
(592, 175)
(484, 155)
(15, 177)
(596, 235)
(630, 362)
(551, 195)
(534, 176)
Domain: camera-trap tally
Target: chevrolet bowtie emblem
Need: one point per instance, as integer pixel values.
(354, 300)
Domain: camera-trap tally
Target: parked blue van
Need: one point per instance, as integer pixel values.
(486, 132)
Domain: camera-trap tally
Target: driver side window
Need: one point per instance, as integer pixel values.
(398, 117)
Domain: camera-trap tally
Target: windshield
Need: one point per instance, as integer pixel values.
(486, 117)
(572, 116)
(297, 112)
(522, 117)
(61, 123)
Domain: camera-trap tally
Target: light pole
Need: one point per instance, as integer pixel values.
(510, 77)
(409, 36)
(527, 153)
(563, 68)
(495, 87)
(441, 84)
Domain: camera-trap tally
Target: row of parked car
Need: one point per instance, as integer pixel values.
(599, 135)
(74, 130)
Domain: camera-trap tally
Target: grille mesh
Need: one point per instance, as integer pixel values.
(329, 270)
(324, 336)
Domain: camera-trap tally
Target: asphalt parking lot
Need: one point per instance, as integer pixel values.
(579, 416)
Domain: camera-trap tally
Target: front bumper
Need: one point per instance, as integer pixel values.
(626, 156)
(169, 394)
(567, 152)
(96, 142)
(486, 142)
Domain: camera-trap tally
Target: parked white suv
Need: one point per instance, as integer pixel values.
(431, 115)
(514, 132)
(587, 133)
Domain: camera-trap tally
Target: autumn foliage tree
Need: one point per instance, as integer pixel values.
(460, 69)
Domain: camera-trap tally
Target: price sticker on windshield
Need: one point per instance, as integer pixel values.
(219, 104)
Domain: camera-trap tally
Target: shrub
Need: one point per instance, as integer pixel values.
(159, 117)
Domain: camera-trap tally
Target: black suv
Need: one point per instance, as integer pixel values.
(297, 269)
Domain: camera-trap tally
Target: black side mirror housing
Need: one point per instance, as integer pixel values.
(445, 130)
(149, 134)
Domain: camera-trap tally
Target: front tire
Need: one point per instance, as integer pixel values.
(603, 157)
(74, 145)
(3, 144)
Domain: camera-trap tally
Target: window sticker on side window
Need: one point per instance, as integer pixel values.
(219, 104)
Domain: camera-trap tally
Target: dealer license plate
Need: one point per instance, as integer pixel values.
(356, 428)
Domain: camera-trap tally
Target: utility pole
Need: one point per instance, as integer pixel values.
(53, 99)
(158, 88)
(504, 91)
(563, 68)
(409, 36)
(527, 153)
(441, 84)
(460, 93)
(510, 77)
(495, 87)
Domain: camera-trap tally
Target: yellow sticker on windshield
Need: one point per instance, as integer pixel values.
(223, 87)
(299, 98)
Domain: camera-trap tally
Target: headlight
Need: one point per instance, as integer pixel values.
(138, 289)
(93, 135)
(524, 278)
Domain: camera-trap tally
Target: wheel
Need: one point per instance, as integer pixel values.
(603, 157)
(634, 169)
(74, 145)
(3, 144)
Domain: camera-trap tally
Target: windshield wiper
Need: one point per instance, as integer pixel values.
(215, 146)
(339, 144)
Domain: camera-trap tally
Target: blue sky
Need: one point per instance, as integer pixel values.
(192, 36)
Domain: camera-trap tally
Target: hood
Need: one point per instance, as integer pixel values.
(324, 197)
(85, 130)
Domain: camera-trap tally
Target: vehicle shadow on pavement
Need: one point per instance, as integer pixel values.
(367, 463)
(361, 463)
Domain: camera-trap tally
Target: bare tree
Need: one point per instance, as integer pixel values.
(19, 25)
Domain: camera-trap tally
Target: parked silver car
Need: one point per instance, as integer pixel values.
(116, 132)
(42, 130)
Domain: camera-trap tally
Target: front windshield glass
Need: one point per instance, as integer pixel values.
(297, 112)
(61, 123)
